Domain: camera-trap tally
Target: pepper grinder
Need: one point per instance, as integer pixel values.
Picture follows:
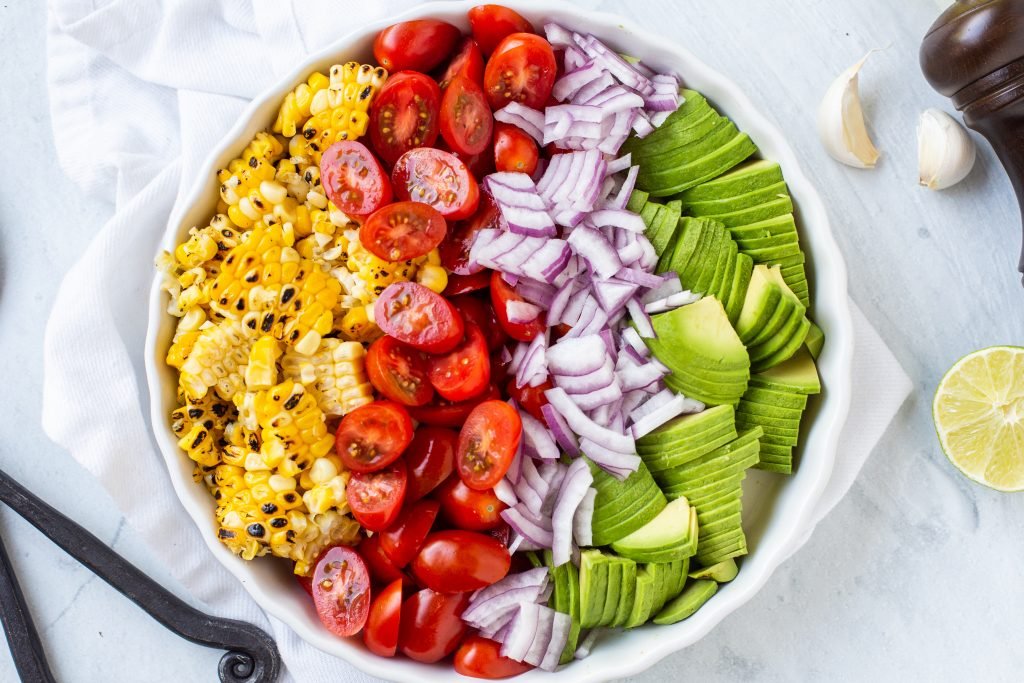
(974, 54)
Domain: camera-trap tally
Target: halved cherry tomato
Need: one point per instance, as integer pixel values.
(438, 178)
(500, 367)
(382, 569)
(430, 459)
(467, 62)
(372, 437)
(404, 115)
(403, 231)
(501, 294)
(381, 634)
(466, 121)
(464, 372)
(464, 284)
(399, 372)
(413, 314)
(419, 45)
(403, 539)
(522, 69)
(530, 399)
(455, 248)
(442, 413)
(480, 657)
(514, 150)
(353, 178)
(306, 582)
(490, 25)
(341, 591)
(467, 508)
(456, 561)
(431, 625)
(375, 498)
(487, 443)
(503, 532)
(476, 311)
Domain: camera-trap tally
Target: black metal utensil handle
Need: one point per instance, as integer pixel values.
(22, 637)
(252, 655)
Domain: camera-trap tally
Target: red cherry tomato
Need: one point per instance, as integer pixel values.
(419, 45)
(501, 294)
(431, 625)
(490, 25)
(530, 399)
(464, 372)
(403, 539)
(522, 69)
(463, 284)
(375, 498)
(456, 561)
(430, 459)
(466, 121)
(404, 115)
(442, 413)
(381, 634)
(487, 443)
(500, 368)
(514, 150)
(382, 569)
(403, 231)
(467, 508)
(480, 657)
(476, 311)
(306, 582)
(399, 372)
(353, 178)
(503, 532)
(413, 314)
(341, 591)
(437, 178)
(372, 437)
(467, 62)
(455, 248)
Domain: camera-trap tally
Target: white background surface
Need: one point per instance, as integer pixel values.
(915, 576)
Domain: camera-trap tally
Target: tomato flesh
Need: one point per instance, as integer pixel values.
(403, 539)
(491, 24)
(467, 62)
(437, 178)
(413, 314)
(404, 115)
(403, 231)
(419, 45)
(381, 633)
(466, 121)
(522, 69)
(487, 443)
(501, 294)
(431, 625)
(464, 372)
(457, 560)
(476, 311)
(353, 178)
(530, 399)
(382, 569)
(341, 591)
(430, 459)
(456, 246)
(480, 657)
(399, 372)
(442, 413)
(375, 498)
(514, 150)
(464, 284)
(372, 437)
(468, 508)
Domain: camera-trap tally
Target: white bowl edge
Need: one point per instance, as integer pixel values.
(627, 653)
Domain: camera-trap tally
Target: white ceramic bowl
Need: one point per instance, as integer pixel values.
(777, 509)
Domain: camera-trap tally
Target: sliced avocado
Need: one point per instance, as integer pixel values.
(702, 329)
(593, 587)
(738, 202)
(698, 392)
(748, 177)
(795, 343)
(643, 600)
(740, 284)
(686, 426)
(691, 143)
(723, 269)
(815, 341)
(637, 201)
(763, 297)
(706, 269)
(779, 206)
(710, 492)
(678, 457)
(773, 254)
(724, 290)
(627, 594)
(662, 584)
(673, 532)
(788, 311)
(797, 375)
(779, 225)
(690, 162)
(723, 158)
(608, 522)
(614, 590)
(765, 241)
(732, 521)
(692, 250)
(768, 410)
(661, 227)
(678, 572)
(686, 603)
(765, 421)
(792, 331)
(771, 397)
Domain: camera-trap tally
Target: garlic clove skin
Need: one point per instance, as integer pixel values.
(841, 121)
(945, 152)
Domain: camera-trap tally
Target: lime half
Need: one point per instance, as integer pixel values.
(979, 416)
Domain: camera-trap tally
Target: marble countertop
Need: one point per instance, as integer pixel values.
(914, 576)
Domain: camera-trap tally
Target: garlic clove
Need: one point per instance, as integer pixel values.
(945, 152)
(841, 121)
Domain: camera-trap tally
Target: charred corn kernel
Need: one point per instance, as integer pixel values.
(253, 166)
(261, 371)
(434, 278)
(199, 426)
(325, 496)
(327, 529)
(295, 108)
(217, 360)
(340, 111)
(357, 326)
(294, 429)
(267, 283)
(336, 372)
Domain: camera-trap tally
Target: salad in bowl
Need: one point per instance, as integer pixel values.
(485, 340)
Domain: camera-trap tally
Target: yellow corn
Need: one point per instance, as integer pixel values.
(358, 325)
(434, 278)
(336, 372)
(261, 372)
(294, 429)
(245, 175)
(217, 359)
(199, 426)
(295, 108)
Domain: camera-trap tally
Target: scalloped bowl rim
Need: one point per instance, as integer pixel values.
(626, 653)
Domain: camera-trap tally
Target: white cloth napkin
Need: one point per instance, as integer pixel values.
(139, 91)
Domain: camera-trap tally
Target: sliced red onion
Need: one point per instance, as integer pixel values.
(614, 462)
(662, 398)
(625, 72)
(504, 492)
(521, 206)
(521, 312)
(586, 644)
(634, 342)
(569, 85)
(640, 376)
(638, 277)
(642, 126)
(522, 631)
(541, 638)
(560, 430)
(668, 286)
(659, 117)
(540, 486)
(620, 164)
(538, 293)
(573, 490)
(527, 527)
(584, 426)
(537, 577)
(497, 628)
(486, 612)
(601, 415)
(517, 357)
(620, 218)
(595, 248)
(622, 198)
(598, 321)
(608, 337)
(643, 323)
(584, 384)
(515, 469)
(558, 36)
(554, 474)
(559, 301)
(529, 120)
(556, 173)
(597, 398)
(538, 437)
(650, 258)
(672, 302)
(595, 88)
(577, 356)
(560, 628)
(659, 416)
(613, 294)
(631, 400)
(581, 324)
(529, 499)
(581, 521)
(574, 58)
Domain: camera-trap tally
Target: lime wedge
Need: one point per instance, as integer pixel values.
(979, 416)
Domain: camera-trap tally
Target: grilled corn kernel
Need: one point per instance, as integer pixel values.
(261, 372)
(336, 372)
(199, 426)
(434, 278)
(217, 360)
(340, 111)
(295, 108)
